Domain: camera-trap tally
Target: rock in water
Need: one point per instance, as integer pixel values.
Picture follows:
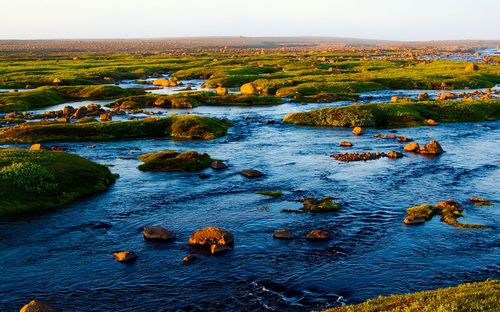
(37, 306)
(412, 147)
(414, 220)
(218, 165)
(36, 147)
(125, 256)
(394, 154)
(345, 144)
(158, 233)
(423, 96)
(188, 259)
(282, 234)
(221, 91)
(248, 88)
(209, 236)
(317, 235)
(251, 173)
(431, 122)
(432, 147)
(215, 248)
(357, 131)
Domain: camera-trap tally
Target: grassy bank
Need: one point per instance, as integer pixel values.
(470, 297)
(32, 181)
(194, 99)
(53, 95)
(181, 127)
(398, 114)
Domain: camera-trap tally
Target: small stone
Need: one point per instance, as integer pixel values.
(394, 154)
(125, 256)
(317, 235)
(251, 173)
(357, 131)
(345, 144)
(412, 147)
(158, 233)
(218, 165)
(431, 122)
(36, 147)
(282, 234)
(189, 258)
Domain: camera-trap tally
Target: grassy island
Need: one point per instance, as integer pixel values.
(32, 181)
(174, 161)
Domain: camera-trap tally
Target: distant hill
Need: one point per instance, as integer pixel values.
(169, 44)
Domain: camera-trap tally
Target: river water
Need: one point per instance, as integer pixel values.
(64, 258)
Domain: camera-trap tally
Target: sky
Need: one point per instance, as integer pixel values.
(368, 19)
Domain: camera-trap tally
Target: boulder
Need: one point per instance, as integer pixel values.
(222, 91)
(209, 236)
(431, 122)
(57, 81)
(105, 117)
(345, 144)
(165, 82)
(403, 139)
(412, 147)
(357, 131)
(218, 165)
(36, 147)
(158, 233)
(282, 234)
(433, 147)
(317, 235)
(423, 96)
(251, 173)
(125, 256)
(80, 112)
(449, 205)
(68, 111)
(471, 67)
(248, 88)
(37, 306)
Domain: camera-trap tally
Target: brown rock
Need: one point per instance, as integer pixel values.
(412, 147)
(68, 111)
(105, 117)
(432, 147)
(158, 233)
(471, 67)
(317, 235)
(218, 165)
(357, 131)
(37, 306)
(248, 88)
(348, 157)
(80, 112)
(449, 204)
(423, 96)
(216, 248)
(222, 91)
(189, 258)
(125, 256)
(251, 173)
(431, 122)
(36, 147)
(403, 139)
(209, 236)
(394, 154)
(282, 234)
(345, 144)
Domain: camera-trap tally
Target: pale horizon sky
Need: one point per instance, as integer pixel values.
(368, 19)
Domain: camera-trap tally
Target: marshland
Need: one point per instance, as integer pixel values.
(98, 147)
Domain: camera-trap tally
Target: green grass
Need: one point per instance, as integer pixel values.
(397, 114)
(174, 161)
(271, 193)
(193, 99)
(32, 181)
(53, 95)
(470, 297)
(180, 127)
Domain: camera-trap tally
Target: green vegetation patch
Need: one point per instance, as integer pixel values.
(53, 95)
(397, 114)
(271, 193)
(181, 127)
(174, 161)
(471, 297)
(32, 181)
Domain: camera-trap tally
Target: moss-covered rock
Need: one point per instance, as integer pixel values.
(181, 127)
(313, 205)
(32, 181)
(399, 114)
(174, 161)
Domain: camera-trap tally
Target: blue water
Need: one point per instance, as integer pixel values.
(59, 257)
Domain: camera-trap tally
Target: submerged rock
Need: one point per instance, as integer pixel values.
(37, 306)
(158, 233)
(478, 201)
(209, 236)
(216, 248)
(348, 157)
(251, 173)
(345, 144)
(218, 165)
(125, 256)
(189, 259)
(313, 205)
(282, 234)
(317, 235)
(414, 220)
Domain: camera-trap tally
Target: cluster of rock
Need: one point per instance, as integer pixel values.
(364, 156)
(432, 148)
(314, 235)
(69, 112)
(392, 136)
